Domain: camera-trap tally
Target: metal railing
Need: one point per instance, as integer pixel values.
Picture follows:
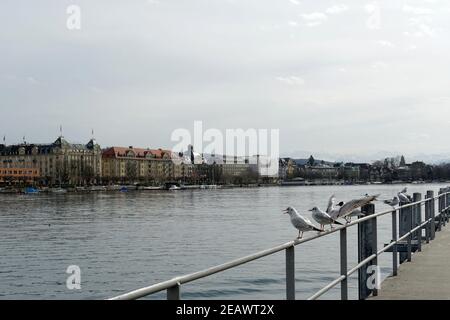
(431, 222)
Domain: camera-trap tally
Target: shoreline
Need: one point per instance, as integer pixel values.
(132, 188)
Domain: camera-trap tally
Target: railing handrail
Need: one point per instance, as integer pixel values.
(177, 281)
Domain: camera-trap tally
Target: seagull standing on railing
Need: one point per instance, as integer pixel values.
(323, 218)
(357, 213)
(403, 197)
(302, 224)
(393, 202)
(349, 209)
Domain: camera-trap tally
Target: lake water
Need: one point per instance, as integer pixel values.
(123, 241)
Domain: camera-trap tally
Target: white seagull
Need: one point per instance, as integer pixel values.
(403, 197)
(349, 209)
(323, 218)
(302, 224)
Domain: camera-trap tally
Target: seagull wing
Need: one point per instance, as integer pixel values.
(334, 214)
(331, 202)
(302, 223)
(352, 205)
(322, 217)
(403, 198)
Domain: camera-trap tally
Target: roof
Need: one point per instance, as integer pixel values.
(60, 142)
(120, 152)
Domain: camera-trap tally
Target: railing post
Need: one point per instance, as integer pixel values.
(290, 273)
(343, 244)
(394, 248)
(405, 223)
(432, 215)
(447, 198)
(418, 220)
(367, 246)
(409, 238)
(444, 219)
(427, 216)
(446, 204)
(441, 209)
(173, 293)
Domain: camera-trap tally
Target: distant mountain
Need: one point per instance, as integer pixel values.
(302, 162)
(368, 158)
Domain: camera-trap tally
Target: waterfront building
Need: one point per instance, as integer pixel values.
(350, 172)
(18, 175)
(59, 162)
(287, 168)
(231, 169)
(134, 165)
(233, 166)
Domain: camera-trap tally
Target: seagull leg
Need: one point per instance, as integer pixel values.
(348, 219)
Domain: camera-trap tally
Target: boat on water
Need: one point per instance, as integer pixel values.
(208, 186)
(151, 188)
(123, 189)
(97, 188)
(58, 190)
(113, 188)
(174, 187)
(31, 190)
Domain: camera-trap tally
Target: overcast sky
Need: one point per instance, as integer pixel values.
(341, 77)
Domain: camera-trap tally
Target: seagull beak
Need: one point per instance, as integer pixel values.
(310, 210)
(285, 211)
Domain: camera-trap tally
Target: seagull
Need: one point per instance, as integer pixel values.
(331, 202)
(394, 202)
(323, 218)
(357, 213)
(332, 210)
(403, 197)
(301, 223)
(348, 209)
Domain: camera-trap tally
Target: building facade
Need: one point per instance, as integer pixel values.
(137, 165)
(59, 162)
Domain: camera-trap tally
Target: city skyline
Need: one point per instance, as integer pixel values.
(294, 154)
(139, 71)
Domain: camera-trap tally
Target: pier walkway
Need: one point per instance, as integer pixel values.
(427, 277)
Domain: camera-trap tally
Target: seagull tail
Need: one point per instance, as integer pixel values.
(317, 229)
(337, 222)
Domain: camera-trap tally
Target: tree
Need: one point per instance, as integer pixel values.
(131, 171)
(311, 161)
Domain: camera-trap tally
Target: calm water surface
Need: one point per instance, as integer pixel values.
(123, 241)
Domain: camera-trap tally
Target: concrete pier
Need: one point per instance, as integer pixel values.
(427, 277)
